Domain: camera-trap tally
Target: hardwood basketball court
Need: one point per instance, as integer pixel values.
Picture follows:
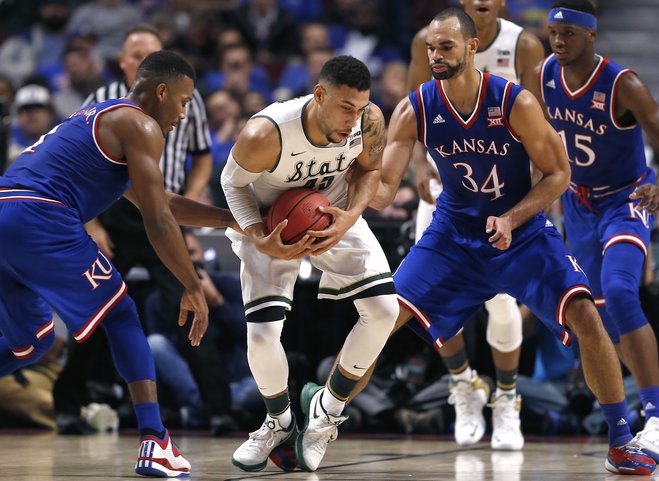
(47, 456)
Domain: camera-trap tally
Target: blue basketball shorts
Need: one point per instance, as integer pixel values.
(48, 262)
(592, 228)
(448, 275)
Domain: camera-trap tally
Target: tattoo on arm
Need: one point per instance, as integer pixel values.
(374, 133)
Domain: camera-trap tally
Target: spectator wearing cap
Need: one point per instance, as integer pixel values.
(35, 116)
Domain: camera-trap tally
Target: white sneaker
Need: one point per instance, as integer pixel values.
(252, 455)
(469, 397)
(506, 432)
(320, 428)
(648, 439)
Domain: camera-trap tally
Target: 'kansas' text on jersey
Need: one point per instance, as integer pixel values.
(484, 167)
(602, 152)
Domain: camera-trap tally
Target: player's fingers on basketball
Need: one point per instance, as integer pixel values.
(316, 234)
(304, 243)
(324, 246)
(327, 209)
(279, 227)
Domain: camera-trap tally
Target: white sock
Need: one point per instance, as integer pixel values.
(285, 418)
(331, 404)
(465, 375)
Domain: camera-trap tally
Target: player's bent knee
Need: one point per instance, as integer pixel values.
(624, 306)
(261, 334)
(582, 317)
(504, 324)
(380, 311)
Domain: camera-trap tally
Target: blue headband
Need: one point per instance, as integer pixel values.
(573, 17)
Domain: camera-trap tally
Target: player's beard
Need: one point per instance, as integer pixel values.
(452, 70)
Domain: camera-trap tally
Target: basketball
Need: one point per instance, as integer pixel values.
(300, 207)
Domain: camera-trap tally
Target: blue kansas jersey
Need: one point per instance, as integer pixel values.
(72, 167)
(484, 167)
(603, 154)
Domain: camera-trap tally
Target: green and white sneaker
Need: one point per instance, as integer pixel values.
(506, 431)
(320, 428)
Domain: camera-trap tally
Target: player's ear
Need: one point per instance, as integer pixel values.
(592, 34)
(161, 91)
(319, 93)
(473, 44)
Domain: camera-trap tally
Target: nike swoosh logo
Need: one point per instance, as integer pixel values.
(293, 154)
(357, 367)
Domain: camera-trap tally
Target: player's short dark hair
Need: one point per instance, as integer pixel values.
(143, 28)
(580, 5)
(467, 25)
(346, 70)
(163, 65)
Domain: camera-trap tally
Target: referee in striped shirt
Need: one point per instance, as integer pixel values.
(120, 233)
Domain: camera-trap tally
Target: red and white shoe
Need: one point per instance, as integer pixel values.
(160, 458)
(629, 459)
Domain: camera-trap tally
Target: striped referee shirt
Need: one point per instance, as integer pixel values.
(191, 136)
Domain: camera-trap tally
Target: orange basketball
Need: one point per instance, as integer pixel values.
(300, 207)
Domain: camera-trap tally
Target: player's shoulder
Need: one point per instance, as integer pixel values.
(129, 118)
(373, 114)
(261, 130)
(528, 41)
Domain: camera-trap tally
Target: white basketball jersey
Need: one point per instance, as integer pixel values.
(303, 164)
(500, 57)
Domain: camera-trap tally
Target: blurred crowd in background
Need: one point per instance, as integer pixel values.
(247, 54)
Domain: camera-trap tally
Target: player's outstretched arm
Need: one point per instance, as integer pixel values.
(401, 138)
(257, 149)
(547, 154)
(139, 140)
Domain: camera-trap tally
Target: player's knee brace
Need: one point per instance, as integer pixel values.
(377, 316)
(266, 356)
(504, 324)
(621, 270)
(262, 334)
(130, 349)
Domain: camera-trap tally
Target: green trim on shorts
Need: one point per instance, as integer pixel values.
(263, 300)
(352, 287)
